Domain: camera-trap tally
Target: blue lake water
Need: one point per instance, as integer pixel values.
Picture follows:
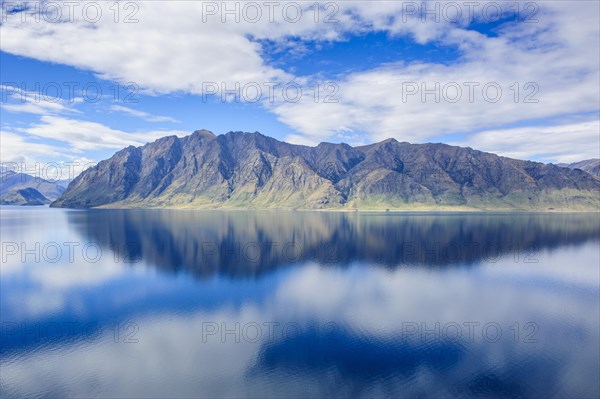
(174, 303)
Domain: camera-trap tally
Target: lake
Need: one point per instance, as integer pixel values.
(177, 303)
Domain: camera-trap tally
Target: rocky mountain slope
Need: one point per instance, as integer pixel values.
(250, 170)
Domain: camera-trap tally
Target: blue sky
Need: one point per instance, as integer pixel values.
(519, 79)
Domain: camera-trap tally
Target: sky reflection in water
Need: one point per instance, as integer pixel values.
(294, 304)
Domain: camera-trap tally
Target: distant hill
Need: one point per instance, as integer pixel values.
(250, 170)
(592, 166)
(23, 189)
(26, 196)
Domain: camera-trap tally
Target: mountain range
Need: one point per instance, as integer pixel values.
(250, 170)
(23, 189)
(592, 166)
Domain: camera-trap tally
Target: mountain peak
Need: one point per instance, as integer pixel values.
(244, 136)
(204, 133)
(390, 140)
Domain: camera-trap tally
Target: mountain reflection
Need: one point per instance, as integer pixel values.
(248, 243)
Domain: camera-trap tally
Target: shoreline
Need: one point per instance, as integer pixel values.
(419, 210)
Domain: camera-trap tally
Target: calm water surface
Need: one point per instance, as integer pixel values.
(165, 303)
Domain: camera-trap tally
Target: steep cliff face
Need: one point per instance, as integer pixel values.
(251, 170)
(110, 181)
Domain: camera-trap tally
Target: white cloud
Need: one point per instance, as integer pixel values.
(62, 143)
(168, 50)
(16, 149)
(171, 49)
(15, 99)
(563, 143)
(555, 61)
(143, 115)
(25, 154)
(83, 135)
